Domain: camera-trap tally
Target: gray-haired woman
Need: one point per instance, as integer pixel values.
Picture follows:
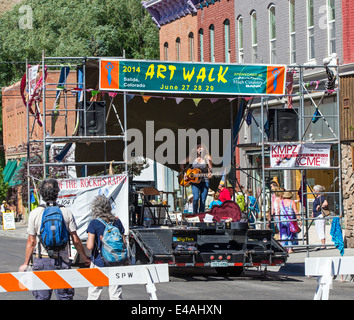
(101, 208)
(320, 223)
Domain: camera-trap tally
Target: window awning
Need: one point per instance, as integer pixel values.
(9, 170)
(13, 180)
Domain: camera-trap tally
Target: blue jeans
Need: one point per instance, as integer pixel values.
(200, 192)
(52, 264)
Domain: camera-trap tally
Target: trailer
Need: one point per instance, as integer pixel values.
(227, 243)
(229, 247)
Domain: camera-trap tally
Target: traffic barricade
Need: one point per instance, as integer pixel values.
(325, 268)
(81, 278)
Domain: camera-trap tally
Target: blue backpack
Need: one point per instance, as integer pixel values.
(113, 249)
(54, 235)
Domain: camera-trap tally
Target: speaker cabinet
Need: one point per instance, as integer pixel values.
(283, 125)
(95, 118)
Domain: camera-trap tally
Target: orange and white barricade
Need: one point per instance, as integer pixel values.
(81, 278)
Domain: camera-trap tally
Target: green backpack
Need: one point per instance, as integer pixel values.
(240, 200)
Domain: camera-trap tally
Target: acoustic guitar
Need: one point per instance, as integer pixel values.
(193, 176)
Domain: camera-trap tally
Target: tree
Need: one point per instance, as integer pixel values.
(70, 28)
(4, 187)
(76, 28)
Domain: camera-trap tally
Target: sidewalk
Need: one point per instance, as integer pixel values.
(295, 265)
(20, 232)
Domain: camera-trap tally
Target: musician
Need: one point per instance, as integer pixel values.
(200, 159)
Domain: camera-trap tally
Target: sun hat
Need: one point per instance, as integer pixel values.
(287, 195)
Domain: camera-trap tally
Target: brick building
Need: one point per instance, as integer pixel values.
(348, 31)
(347, 117)
(288, 32)
(201, 31)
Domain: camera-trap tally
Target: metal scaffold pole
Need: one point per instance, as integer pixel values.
(306, 104)
(48, 139)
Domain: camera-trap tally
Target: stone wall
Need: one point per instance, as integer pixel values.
(348, 193)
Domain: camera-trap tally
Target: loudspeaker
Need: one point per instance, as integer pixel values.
(95, 118)
(283, 125)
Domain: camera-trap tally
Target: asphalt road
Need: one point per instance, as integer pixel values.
(200, 285)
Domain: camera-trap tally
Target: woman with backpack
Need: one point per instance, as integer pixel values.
(49, 246)
(102, 218)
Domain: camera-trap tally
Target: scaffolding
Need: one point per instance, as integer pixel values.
(306, 88)
(307, 92)
(39, 111)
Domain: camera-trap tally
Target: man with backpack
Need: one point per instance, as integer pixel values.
(49, 228)
(107, 241)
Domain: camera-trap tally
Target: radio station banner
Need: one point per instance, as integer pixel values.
(184, 77)
(77, 195)
(300, 155)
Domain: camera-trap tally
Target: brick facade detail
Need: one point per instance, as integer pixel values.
(348, 31)
(15, 116)
(216, 14)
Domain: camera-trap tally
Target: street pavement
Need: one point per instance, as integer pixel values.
(278, 283)
(295, 265)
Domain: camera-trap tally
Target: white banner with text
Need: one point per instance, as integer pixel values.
(300, 155)
(77, 195)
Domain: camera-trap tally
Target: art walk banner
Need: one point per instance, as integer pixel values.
(188, 77)
(300, 155)
(77, 195)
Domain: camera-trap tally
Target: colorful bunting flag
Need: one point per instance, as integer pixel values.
(146, 98)
(179, 100)
(196, 101)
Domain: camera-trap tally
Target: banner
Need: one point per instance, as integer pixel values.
(188, 77)
(300, 155)
(77, 195)
(32, 80)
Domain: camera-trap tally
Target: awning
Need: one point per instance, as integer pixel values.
(13, 180)
(9, 170)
